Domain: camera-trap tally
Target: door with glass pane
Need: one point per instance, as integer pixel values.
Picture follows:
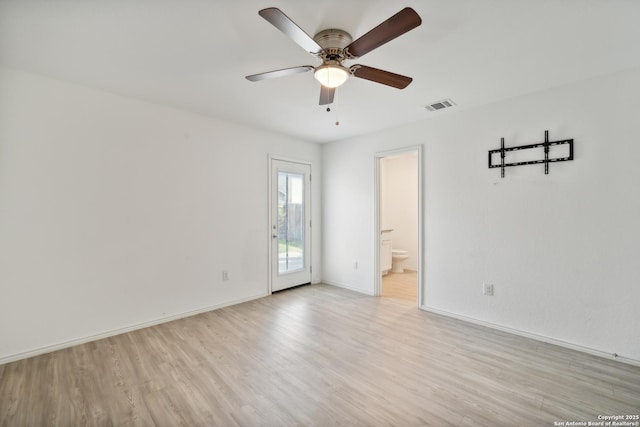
(290, 224)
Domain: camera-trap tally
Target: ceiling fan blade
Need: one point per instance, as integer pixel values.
(381, 76)
(279, 73)
(282, 22)
(326, 95)
(405, 20)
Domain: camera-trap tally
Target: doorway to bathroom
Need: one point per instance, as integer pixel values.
(398, 224)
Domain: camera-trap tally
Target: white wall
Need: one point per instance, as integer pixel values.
(115, 212)
(399, 203)
(561, 249)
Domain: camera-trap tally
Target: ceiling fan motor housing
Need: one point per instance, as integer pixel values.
(333, 42)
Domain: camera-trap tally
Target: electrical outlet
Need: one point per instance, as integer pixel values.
(225, 275)
(355, 265)
(487, 289)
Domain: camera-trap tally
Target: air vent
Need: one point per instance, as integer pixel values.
(440, 105)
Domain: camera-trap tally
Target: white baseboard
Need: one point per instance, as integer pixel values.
(548, 340)
(107, 334)
(344, 286)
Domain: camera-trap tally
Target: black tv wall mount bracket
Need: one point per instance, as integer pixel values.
(544, 145)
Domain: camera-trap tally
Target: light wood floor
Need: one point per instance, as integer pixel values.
(401, 285)
(315, 356)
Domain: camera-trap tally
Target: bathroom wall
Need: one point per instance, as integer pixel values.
(399, 203)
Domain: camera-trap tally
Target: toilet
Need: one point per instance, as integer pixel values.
(398, 257)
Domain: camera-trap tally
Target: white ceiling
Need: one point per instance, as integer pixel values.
(194, 54)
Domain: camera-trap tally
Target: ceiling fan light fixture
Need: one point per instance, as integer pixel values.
(331, 75)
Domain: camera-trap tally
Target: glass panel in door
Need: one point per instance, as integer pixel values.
(291, 222)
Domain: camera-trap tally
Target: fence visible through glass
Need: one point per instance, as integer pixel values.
(290, 222)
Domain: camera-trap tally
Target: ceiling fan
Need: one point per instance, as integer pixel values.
(332, 47)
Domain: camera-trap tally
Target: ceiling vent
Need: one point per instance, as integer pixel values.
(440, 105)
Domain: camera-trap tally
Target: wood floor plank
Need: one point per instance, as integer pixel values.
(316, 356)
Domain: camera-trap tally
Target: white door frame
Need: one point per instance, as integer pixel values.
(270, 159)
(376, 223)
